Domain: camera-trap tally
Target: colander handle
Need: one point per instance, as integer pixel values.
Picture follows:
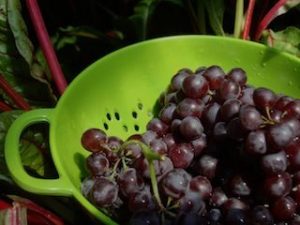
(59, 186)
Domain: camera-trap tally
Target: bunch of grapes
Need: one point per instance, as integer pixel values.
(218, 152)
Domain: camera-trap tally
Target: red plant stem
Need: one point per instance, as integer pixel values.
(46, 45)
(17, 98)
(267, 19)
(248, 20)
(4, 107)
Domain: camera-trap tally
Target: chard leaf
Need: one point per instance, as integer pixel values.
(141, 17)
(215, 11)
(286, 40)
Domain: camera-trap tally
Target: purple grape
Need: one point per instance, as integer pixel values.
(190, 107)
(141, 201)
(92, 139)
(284, 209)
(282, 102)
(278, 185)
(293, 154)
(199, 145)
(274, 163)
(114, 143)
(262, 216)
(181, 155)
(104, 192)
(207, 166)
(250, 117)
(292, 109)
(191, 202)
(247, 96)
(220, 131)
(191, 128)
(130, 182)
(157, 126)
(169, 140)
(210, 115)
(202, 186)
(175, 183)
(238, 75)
(264, 98)
(235, 129)
(86, 186)
(228, 90)
(234, 203)
(149, 136)
(195, 86)
(237, 217)
(256, 143)
(280, 135)
(177, 79)
(159, 146)
(97, 164)
(218, 197)
(239, 186)
(229, 109)
(145, 218)
(167, 113)
(214, 75)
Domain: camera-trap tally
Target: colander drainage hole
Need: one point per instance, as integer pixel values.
(125, 128)
(140, 106)
(134, 114)
(108, 116)
(136, 127)
(117, 116)
(105, 126)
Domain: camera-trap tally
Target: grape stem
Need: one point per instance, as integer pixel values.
(114, 171)
(150, 155)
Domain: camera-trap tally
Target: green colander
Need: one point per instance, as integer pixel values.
(118, 93)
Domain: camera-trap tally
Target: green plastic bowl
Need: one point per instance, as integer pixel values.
(110, 92)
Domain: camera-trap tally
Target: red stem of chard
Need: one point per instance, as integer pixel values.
(4, 107)
(46, 45)
(268, 19)
(248, 21)
(17, 98)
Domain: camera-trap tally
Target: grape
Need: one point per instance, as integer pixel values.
(236, 217)
(234, 203)
(296, 220)
(145, 218)
(192, 202)
(191, 219)
(175, 127)
(159, 146)
(167, 113)
(149, 136)
(86, 186)
(169, 140)
(130, 182)
(133, 151)
(170, 98)
(292, 109)
(157, 126)
(235, 129)
(276, 116)
(238, 75)
(114, 143)
(256, 143)
(177, 80)
(104, 192)
(202, 186)
(195, 86)
(278, 185)
(296, 178)
(97, 163)
(207, 166)
(280, 135)
(210, 114)
(190, 107)
(247, 96)
(229, 109)
(262, 216)
(274, 163)
(220, 131)
(191, 128)
(214, 75)
(218, 197)
(199, 145)
(141, 200)
(293, 154)
(264, 98)
(296, 195)
(294, 124)
(92, 139)
(164, 166)
(228, 90)
(200, 70)
(214, 216)
(284, 208)
(239, 186)
(175, 183)
(181, 155)
(282, 102)
(250, 117)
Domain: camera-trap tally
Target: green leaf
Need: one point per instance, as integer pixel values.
(141, 17)
(19, 30)
(286, 40)
(6, 120)
(18, 63)
(215, 11)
